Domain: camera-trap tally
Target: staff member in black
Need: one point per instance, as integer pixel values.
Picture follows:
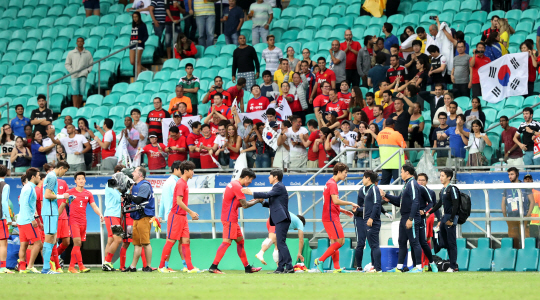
(425, 204)
(372, 219)
(278, 202)
(449, 197)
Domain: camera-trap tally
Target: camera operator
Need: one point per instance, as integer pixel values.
(477, 61)
(142, 192)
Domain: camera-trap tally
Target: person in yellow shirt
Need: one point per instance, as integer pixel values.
(175, 102)
(279, 74)
(505, 31)
(383, 86)
(389, 142)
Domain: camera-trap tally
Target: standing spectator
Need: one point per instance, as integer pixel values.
(401, 118)
(234, 143)
(263, 150)
(306, 56)
(180, 98)
(176, 147)
(75, 60)
(206, 145)
(21, 156)
(412, 59)
(39, 151)
(7, 143)
(533, 64)
(141, 127)
(461, 72)
(351, 49)
(47, 141)
(451, 108)
(139, 35)
(367, 139)
(505, 31)
(390, 39)
(338, 106)
(389, 141)
(19, 122)
(182, 129)
(370, 105)
(269, 88)
(311, 89)
(233, 23)
(221, 107)
(297, 135)
(205, 17)
(388, 101)
(477, 61)
(378, 72)
(279, 74)
(324, 75)
(85, 131)
(338, 62)
(298, 88)
(217, 88)
(191, 87)
(246, 63)
(142, 6)
(435, 99)
(108, 145)
(261, 14)
(378, 47)
(343, 94)
(221, 8)
(293, 61)
(237, 92)
(494, 49)
(493, 28)
(416, 127)
(193, 141)
(182, 110)
(529, 129)
(190, 24)
(91, 7)
(364, 60)
(394, 50)
(155, 118)
(457, 141)
(173, 10)
(310, 143)
(475, 113)
(513, 156)
(347, 140)
(213, 119)
(159, 14)
(538, 47)
(183, 48)
(433, 30)
(156, 153)
(272, 55)
(42, 116)
(396, 72)
(392, 7)
(132, 137)
(421, 78)
(76, 145)
(68, 120)
(320, 102)
(438, 66)
(258, 102)
(441, 140)
(322, 147)
(378, 116)
(28, 132)
(421, 36)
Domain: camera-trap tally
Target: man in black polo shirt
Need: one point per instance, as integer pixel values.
(529, 128)
(41, 117)
(438, 67)
(494, 27)
(395, 70)
(401, 118)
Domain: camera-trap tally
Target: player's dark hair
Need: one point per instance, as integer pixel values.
(174, 129)
(79, 173)
(32, 172)
(409, 169)
(23, 178)
(3, 171)
(302, 219)
(529, 110)
(340, 167)
(513, 169)
(195, 125)
(62, 164)
(187, 166)
(312, 123)
(448, 172)
(417, 43)
(424, 175)
(277, 173)
(246, 172)
(271, 112)
(118, 168)
(109, 123)
(371, 175)
(176, 166)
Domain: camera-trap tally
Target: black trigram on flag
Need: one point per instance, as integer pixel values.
(281, 107)
(514, 63)
(496, 91)
(264, 116)
(515, 83)
(190, 122)
(492, 72)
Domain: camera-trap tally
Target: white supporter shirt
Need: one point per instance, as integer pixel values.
(295, 137)
(108, 137)
(51, 157)
(351, 137)
(72, 145)
(142, 128)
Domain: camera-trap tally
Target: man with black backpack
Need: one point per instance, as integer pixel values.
(450, 198)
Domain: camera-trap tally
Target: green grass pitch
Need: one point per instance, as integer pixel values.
(237, 285)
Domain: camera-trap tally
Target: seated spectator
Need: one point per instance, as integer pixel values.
(218, 150)
(218, 105)
(21, 156)
(505, 32)
(156, 153)
(264, 152)
(258, 102)
(269, 88)
(139, 35)
(237, 92)
(396, 73)
(297, 89)
(215, 89)
(182, 110)
(76, 145)
(477, 142)
(448, 98)
(175, 102)
(293, 61)
(441, 140)
(19, 122)
(378, 72)
(477, 61)
(461, 72)
(359, 117)
(343, 94)
(7, 144)
(337, 106)
(319, 104)
(457, 140)
(388, 104)
(213, 119)
(370, 104)
(61, 154)
(206, 146)
(438, 66)
(233, 22)
(533, 64)
(356, 101)
(306, 56)
(39, 152)
(184, 48)
(367, 139)
(328, 119)
(475, 113)
(401, 118)
(416, 127)
(193, 140)
(322, 146)
(513, 155)
(494, 49)
(233, 144)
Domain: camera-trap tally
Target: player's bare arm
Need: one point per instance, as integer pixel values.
(337, 201)
(194, 215)
(247, 204)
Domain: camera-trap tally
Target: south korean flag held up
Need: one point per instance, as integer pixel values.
(505, 77)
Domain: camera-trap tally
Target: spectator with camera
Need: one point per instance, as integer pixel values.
(108, 145)
(477, 61)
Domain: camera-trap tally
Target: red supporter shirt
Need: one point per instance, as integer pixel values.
(321, 101)
(294, 106)
(214, 128)
(323, 158)
(257, 104)
(155, 158)
(206, 159)
(328, 75)
(62, 189)
(236, 94)
(338, 107)
(478, 63)
(77, 208)
(231, 202)
(154, 120)
(312, 156)
(390, 109)
(111, 151)
(350, 61)
(507, 137)
(330, 210)
(183, 130)
(175, 155)
(369, 112)
(346, 98)
(193, 140)
(181, 189)
(532, 71)
(223, 109)
(227, 98)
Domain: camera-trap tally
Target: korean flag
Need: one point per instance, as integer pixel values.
(505, 77)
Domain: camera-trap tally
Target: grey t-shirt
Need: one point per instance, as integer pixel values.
(339, 69)
(461, 69)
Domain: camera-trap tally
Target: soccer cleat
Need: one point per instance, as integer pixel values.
(61, 261)
(148, 269)
(194, 270)
(84, 270)
(450, 270)
(374, 271)
(52, 265)
(6, 271)
(261, 258)
(434, 268)
(425, 269)
(338, 270)
(108, 267)
(185, 270)
(359, 270)
(250, 269)
(319, 265)
(49, 272)
(59, 270)
(395, 270)
(163, 270)
(73, 270)
(23, 271)
(415, 270)
(215, 271)
(33, 271)
(171, 270)
(129, 269)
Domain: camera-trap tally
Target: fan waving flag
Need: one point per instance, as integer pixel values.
(505, 77)
(270, 136)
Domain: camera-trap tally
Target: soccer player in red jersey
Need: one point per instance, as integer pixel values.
(233, 198)
(177, 221)
(77, 220)
(330, 217)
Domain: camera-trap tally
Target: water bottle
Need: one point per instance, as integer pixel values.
(492, 266)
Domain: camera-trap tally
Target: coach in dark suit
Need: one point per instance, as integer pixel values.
(278, 202)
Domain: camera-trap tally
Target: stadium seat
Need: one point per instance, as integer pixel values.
(337, 11)
(328, 24)
(31, 24)
(477, 17)
(169, 86)
(145, 77)
(529, 15)
(527, 258)
(297, 24)
(162, 76)
(497, 106)
(515, 102)
(322, 36)
(94, 101)
(481, 256)
(452, 6)
(321, 11)
(303, 13)
(420, 8)
(346, 255)
(314, 23)
(84, 112)
(506, 112)
(469, 5)
(462, 255)
(100, 112)
(524, 27)
(117, 113)
(411, 20)
(217, 63)
(529, 101)
(514, 14)
(212, 51)
(151, 88)
(112, 32)
(296, 3)
(344, 23)
(289, 36)
(70, 10)
(112, 99)
(227, 50)
(127, 100)
(277, 13)
(288, 14)
(76, 22)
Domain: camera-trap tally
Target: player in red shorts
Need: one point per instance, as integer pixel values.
(77, 220)
(177, 221)
(233, 198)
(330, 217)
(27, 223)
(5, 220)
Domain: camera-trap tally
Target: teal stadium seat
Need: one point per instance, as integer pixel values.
(304, 13)
(420, 8)
(337, 11)
(328, 23)
(304, 36)
(462, 255)
(297, 24)
(527, 258)
(314, 23)
(70, 10)
(127, 100)
(94, 101)
(321, 11)
(515, 101)
(212, 51)
(288, 13)
(289, 36)
(98, 31)
(514, 14)
(412, 19)
(524, 27)
(227, 50)
(151, 88)
(481, 256)
(344, 23)
(217, 63)
(529, 15)
(145, 76)
(162, 76)
(469, 5)
(506, 112)
(111, 100)
(322, 36)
